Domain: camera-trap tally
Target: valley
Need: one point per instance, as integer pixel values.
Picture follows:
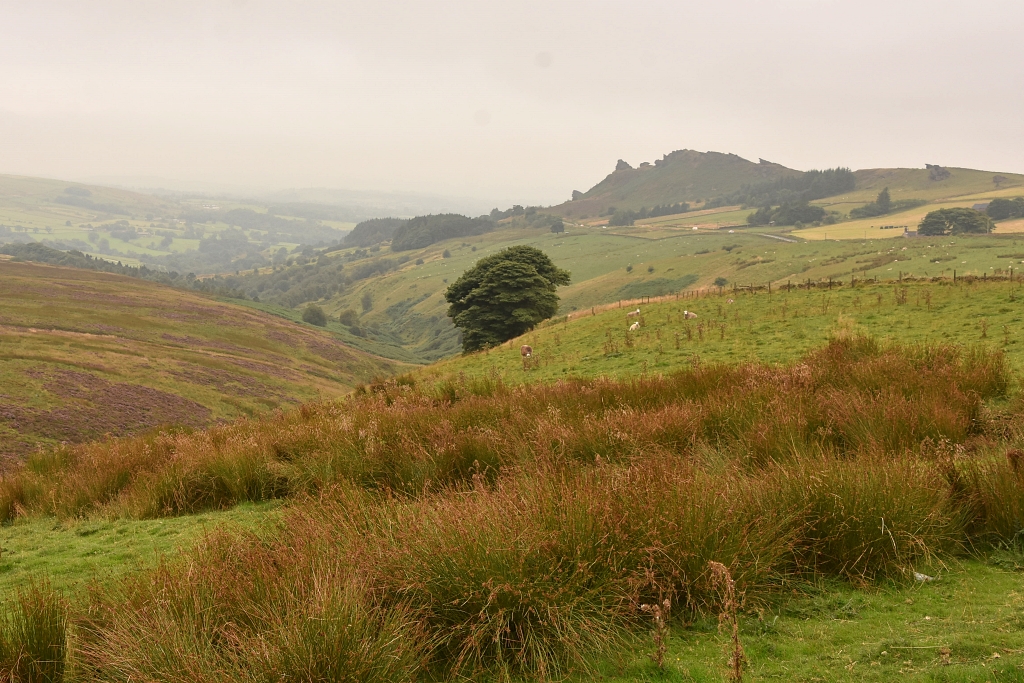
(201, 476)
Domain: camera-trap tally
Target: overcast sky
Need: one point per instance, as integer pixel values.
(513, 101)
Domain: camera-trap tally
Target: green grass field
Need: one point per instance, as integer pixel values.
(83, 354)
(756, 327)
(965, 627)
(72, 553)
(608, 267)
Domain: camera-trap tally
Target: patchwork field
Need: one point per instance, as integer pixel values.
(134, 227)
(86, 354)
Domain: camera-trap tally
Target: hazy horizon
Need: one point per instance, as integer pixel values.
(498, 104)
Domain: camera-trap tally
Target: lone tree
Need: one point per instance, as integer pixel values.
(503, 296)
(955, 222)
(884, 200)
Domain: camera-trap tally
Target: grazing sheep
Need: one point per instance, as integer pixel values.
(634, 327)
(633, 314)
(525, 351)
(728, 301)
(689, 315)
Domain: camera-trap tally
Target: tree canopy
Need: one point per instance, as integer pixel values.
(1000, 209)
(787, 214)
(504, 295)
(954, 222)
(422, 231)
(884, 204)
(314, 315)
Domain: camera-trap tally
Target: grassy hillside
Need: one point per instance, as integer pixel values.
(395, 300)
(480, 530)
(741, 326)
(399, 309)
(407, 319)
(84, 354)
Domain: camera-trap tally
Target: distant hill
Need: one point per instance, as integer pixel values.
(184, 234)
(727, 179)
(85, 353)
(684, 175)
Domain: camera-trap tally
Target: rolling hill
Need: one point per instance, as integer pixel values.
(684, 175)
(181, 233)
(697, 177)
(393, 300)
(85, 354)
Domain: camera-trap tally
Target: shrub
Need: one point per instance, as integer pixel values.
(348, 318)
(314, 315)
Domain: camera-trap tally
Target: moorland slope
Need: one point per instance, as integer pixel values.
(84, 354)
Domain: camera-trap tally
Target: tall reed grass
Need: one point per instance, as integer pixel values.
(477, 529)
(536, 575)
(34, 637)
(853, 397)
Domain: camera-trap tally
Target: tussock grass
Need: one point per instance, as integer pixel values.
(240, 607)
(483, 530)
(33, 636)
(854, 397)
(537, 575)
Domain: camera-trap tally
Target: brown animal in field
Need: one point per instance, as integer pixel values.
(525, 351)
(689, 315)
(633, 314)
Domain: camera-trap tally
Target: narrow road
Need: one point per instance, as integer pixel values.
(777, 237)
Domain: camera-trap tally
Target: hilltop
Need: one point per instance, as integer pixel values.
(713, 179)
(684, 175)
(85, 354)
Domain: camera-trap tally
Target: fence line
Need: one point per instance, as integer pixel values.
(706, 292)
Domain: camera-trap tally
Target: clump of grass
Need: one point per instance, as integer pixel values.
(853, 397)
(34, 636)
(244, 608)
(872, 518)
(993, 491)
(538, 573)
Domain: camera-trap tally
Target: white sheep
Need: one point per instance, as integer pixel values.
(689, 315)
(633, 314)
(635, 326)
